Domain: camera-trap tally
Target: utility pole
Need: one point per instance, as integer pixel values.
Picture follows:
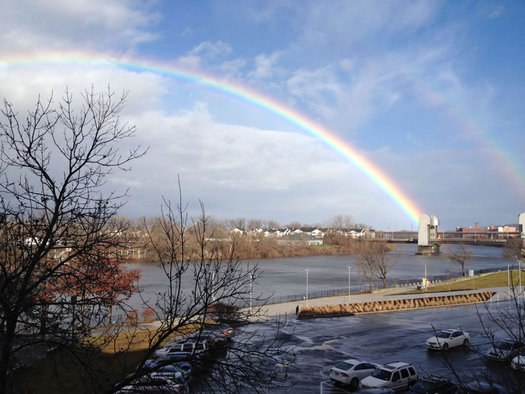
(307, 271)
(349, 285)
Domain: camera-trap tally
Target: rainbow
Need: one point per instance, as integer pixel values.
(343, 148)
(473, 130)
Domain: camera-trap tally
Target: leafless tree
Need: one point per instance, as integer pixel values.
(462, 256)
(54, 219)
(202, 285)
(340, 222)
(372, 258)
(294, 224)
(514, 249)
(501, 319)
(239, 223)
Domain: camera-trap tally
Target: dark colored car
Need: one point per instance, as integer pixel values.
(215, 339)
(224, 328)
(186, 369)
(149, 384)
(504, 350)
(433, 385)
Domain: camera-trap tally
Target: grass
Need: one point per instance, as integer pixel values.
(494, 279)
(94, 368)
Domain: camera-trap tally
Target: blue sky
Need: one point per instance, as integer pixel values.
(431, 92)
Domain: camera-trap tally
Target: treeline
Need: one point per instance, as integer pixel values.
(222, 241)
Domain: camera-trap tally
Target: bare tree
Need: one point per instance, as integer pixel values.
(201, 286)
(373, 260)
(514, 249)
(340, 222)
(294, 224)
(502, 324)
(55, 217)
(239, 223)
(462, 256)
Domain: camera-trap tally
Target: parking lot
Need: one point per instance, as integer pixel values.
(384, 337)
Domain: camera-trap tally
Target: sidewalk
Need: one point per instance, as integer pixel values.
(271, 311)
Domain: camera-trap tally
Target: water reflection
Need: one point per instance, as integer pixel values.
(286, 276)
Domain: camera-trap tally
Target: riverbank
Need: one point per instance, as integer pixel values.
(494, 283)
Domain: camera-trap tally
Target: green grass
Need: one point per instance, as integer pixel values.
(495, 279)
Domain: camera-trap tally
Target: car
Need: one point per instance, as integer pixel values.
(446, 339)
(504, 350)
(351, 372)
(185, 368)
(197, 348)
(432, 384)
(215, 339)
(518, 362)
(166, 359)
(173, 374)
(150, 384)
(223, 328)
(395, 375)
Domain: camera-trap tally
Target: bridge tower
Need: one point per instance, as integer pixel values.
(427, 235)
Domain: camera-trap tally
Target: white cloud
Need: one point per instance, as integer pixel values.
(264, 66)
(211, 50)
(62, 24)
(343, 24)
(497, 12)
(233, 68)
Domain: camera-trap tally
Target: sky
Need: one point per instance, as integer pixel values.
(427, 93)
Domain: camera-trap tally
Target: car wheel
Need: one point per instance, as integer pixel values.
(466, 342)
(445, 346)
(354, 384)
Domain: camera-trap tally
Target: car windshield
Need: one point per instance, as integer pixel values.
(344, 365)
(443, 334)
(503, 345)
(382, 374)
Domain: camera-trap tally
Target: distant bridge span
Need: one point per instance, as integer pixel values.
(487, 238)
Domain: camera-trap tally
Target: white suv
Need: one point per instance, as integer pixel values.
(396, 376)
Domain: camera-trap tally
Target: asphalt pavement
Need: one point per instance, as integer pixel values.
(287, 309)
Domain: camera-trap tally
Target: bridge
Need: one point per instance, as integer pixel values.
(489, 238)
(429, 238)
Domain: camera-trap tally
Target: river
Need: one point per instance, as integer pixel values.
(287, 276)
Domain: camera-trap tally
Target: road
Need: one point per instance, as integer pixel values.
(380, 338)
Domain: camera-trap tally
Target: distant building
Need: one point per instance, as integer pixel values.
(504, 231)
(476, 232)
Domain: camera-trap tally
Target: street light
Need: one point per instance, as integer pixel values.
(349, 286)
(307, 271)
(251, 290)
(519, 273)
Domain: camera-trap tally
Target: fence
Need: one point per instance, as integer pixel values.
(357, 289)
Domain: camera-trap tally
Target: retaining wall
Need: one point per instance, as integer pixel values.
(307, 312)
